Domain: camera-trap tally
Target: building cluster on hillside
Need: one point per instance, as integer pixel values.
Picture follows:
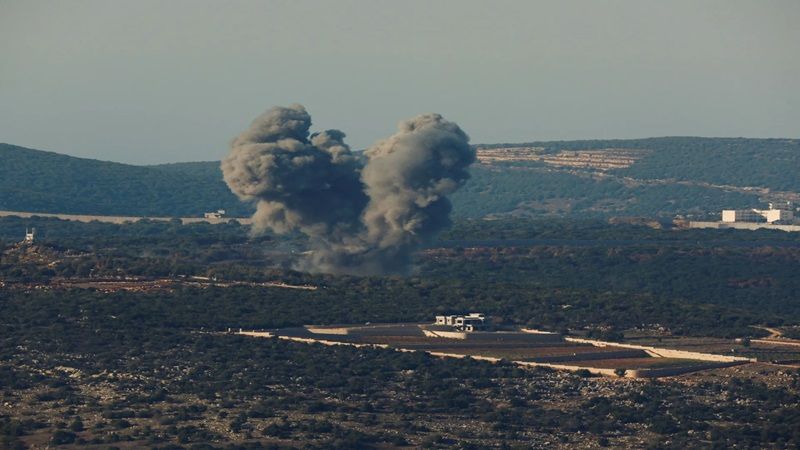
(596, 159)
(778, 213)
(470, 322)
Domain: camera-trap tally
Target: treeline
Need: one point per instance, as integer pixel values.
(73, 234)
(69, 232)
(617, 229)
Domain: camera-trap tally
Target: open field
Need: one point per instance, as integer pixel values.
(764, 350)
(522, 348)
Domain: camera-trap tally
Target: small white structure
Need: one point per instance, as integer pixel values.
(470, 322)
(777, 212)
(218, 214)
(29, 235)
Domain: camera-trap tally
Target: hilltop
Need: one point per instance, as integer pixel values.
(39, 181)
(655, 177)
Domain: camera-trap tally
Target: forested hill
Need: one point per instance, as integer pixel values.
(690, 176)
(38, 181)
(771, 163)
(656, 177)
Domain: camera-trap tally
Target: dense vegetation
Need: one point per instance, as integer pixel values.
(772, 163)
(152, 368)
(533, 192)
(110, 370)
(701, 282)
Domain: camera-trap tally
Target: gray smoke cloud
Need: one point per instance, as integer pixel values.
(363, 216)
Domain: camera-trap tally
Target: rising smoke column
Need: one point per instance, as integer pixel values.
(308, 183)
(360, 219)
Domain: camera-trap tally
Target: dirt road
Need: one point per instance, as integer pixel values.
(121, 219)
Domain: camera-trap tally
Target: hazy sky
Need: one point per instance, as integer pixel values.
(161, 81)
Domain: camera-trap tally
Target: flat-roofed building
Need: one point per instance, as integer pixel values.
(777, 212)
(469, 322)
(741, 215)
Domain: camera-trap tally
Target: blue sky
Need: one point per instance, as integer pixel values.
(152, 81)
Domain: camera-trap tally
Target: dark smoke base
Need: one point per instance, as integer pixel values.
(362, 218)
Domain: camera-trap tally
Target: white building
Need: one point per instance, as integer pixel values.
(776, 213)
(29, 235)
(470, 322)
(741, 215)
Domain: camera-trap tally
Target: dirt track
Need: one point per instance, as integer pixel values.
(120, 219)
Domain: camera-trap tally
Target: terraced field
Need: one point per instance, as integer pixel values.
(523, 348)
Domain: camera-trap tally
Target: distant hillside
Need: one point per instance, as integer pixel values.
(771, 163)
(646, 177)
(653, 177)
(38, 181)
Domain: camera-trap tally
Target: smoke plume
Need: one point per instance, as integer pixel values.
(363, 215)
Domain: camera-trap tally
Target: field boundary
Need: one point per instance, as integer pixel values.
(606, 372)
(664, 352)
